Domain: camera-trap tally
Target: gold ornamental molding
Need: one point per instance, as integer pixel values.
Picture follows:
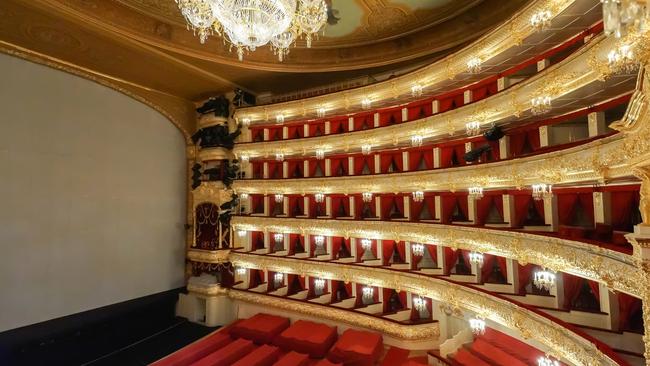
(598, 161)
(618, 271)
(401, 331)
(208, 290)
(511, 33)
(208, 256)
(531, 325)
(557, 81)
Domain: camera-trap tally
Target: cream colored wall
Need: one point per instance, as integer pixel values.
(91, 196)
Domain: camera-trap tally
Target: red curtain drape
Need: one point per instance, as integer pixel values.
(363, 121)
(525, 275)
(258, 169)
(483, 206)
(451, 257)
(595, 288)
(387, 201)
(207, 226)
(317, 129)
(390, 116)
(295, 131)
(623, 204)
(257, 134)
(446, 153)
(415, 259)
(415, 155)
(522, 203)
(488, 264)
(315, 165)
(627, 306)
(433, 251)
(337, 241)
(339, 166)
(275, 169)
(362, 161)
(572, 285)
(387, 251)
(448, 202)
(295, 168)
(401, 249)
(503, 266)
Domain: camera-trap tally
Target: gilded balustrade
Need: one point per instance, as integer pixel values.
(557, 81)
(511, 33)
(531, 325)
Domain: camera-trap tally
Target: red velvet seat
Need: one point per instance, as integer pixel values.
(303, 336)
(260, 328)
(465, 357)
(264, 355)
(293, 359)
(196, 351)
(228, 354)
(357, 348)
(326, 362)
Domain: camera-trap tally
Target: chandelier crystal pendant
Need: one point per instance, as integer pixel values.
(540, 191)
(417, 249)
(418, 196)
(473, 128)
(477, 326)
(476, 258)
(544, 280)
(621, 17)
(319, 240)
(249, 24)
(546, 361)
(319, 284)
(621, 60)
(540, 105)
(476, 193)
(541, 20)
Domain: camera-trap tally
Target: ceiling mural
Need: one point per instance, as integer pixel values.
(146, 42)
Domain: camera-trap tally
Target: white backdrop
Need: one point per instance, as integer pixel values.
(91, 196)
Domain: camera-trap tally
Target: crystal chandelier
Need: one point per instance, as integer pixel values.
(320, 154)
(416, 140)
(368, 292)
(418, 196)
(366, 196)
(249, 24)
(541, 190)
(417, 249)
(419, 303)
(365, 149)
(546, 361)
(621, 60)
(541, 20)
(366, 103)
(476, 258)
(279, 278)
(279, 198)
(366, 244)
(319, 197)
(319, 240)
(241, 233)
(416, 90)
(473, 128)
(476, 193)
(474, 65)
(544, 280)
(477, 326)
(621, 17)
(540, 105)
(279, 156)
(319, 284)
(278, 237)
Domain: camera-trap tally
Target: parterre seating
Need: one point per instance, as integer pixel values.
(314, 339)
(293, 359)
(197, 350)
(264, 355)
(227, 355)
(260, 328)
(357, 348)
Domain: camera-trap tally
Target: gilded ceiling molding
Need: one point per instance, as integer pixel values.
(531, 325)
(178, 111)
(505, 36)
(616, 270)
(557, 81)
(393, 329)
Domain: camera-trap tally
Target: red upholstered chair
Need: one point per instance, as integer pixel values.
(260, 328)
(326, 362)
(357, 348)
(264, 355)
(196, 351)
(308, 337)
(293, 359)
(227, 355)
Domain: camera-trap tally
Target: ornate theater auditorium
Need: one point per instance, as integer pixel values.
(489, 204)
